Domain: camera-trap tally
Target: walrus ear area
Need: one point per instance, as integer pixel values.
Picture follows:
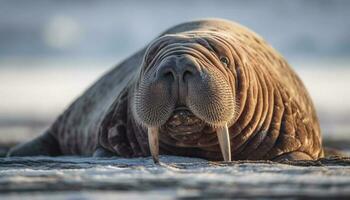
(113, 128)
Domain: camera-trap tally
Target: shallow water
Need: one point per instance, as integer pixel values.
(176, 177)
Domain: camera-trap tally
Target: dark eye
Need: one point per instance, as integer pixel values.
(224, 60)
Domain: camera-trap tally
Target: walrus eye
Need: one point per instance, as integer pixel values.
(224, 60)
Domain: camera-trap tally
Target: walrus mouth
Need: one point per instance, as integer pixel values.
(183, 122)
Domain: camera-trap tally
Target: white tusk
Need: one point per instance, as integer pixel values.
(153, 141)
(224, 141)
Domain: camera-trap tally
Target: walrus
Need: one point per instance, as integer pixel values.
(209, 88)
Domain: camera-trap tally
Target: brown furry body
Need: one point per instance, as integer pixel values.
(269, 111)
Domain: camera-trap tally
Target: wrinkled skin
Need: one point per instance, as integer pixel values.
(188, 85)
(184, 70)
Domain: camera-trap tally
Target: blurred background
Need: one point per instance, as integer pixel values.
(50, 51)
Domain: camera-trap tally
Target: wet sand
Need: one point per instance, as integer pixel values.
(177, 177)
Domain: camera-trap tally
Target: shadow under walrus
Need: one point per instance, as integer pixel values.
(332, 157)
(61, 163)
(335, 149)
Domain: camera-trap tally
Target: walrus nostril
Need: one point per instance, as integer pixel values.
(186, 75)
(168, 74)
(171, 74)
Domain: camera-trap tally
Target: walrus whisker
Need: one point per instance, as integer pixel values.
(224, 141)
(153, 141)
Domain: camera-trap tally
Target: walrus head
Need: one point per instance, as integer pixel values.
(186, 82)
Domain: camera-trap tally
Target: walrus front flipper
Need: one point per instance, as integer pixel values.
(296, 155)
(44, 145)
(102, 152)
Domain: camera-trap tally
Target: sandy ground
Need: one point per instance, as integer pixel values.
(176, 177)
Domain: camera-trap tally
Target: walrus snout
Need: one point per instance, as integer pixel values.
(179, 71)
(180, 80)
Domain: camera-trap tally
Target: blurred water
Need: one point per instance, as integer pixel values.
(115, 29)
